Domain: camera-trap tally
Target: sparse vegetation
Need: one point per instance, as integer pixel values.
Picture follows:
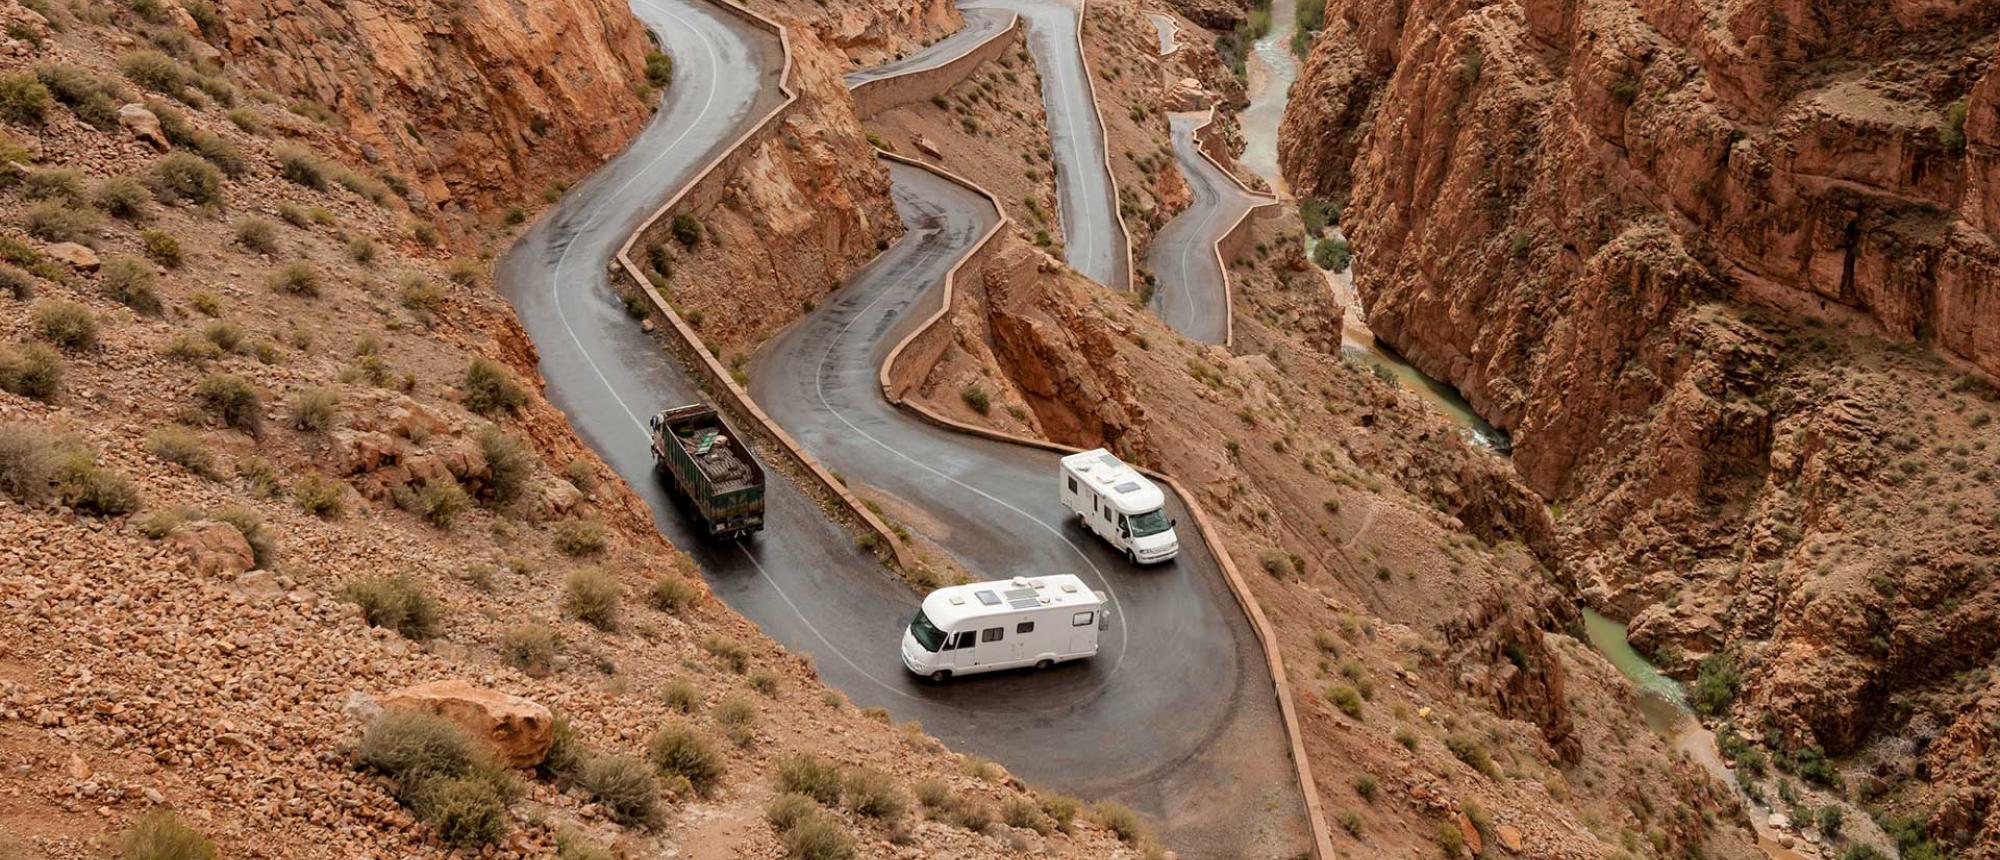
(161, 247)
(1469, 750)
(232, 400)
(398, 602)
(874, 794)
(687, 230)
(257, 234)
(677, 749)
(490, 389)
(56, 221)
(27, 462)
(592, 595)
(659, 69)
(66, 324)
(31, 370)
(531, 648)
(624, 786)
(160, 834)
(672, 593)
(509, 465)
(1120, 820)
(297, 278)
(124, 197)
(185, 177)
(438, 502)
(1715, 686)
(182, 447)
(576, 537)
(23, 99)
(320, 496)
(91, 489)
(316, 410)
(976, 399)
(129, 281)
(810, 775)
(301, 166)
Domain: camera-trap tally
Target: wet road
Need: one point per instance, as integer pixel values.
(979, 24)
(1176, 716)
(1168, 30)
(1191, 294)
(1094, 242)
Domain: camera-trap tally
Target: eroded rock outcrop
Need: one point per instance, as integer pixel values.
(472, 103)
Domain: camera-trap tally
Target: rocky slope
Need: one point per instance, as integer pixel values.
(472, 104)
(266, 460)
(1727, 271)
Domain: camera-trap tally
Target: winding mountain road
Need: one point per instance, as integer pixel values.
(1094, 241)
(1176, 717)
(979, 24)
(1192, 294)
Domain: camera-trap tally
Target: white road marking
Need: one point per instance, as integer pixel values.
(1124, 636)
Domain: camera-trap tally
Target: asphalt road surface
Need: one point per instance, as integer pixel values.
(1094, 242)
(1190, 293)
(979, 24)
(1175, 717)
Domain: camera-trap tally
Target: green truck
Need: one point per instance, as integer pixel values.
(711, 469)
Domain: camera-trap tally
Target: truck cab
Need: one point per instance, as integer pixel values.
(1004, 624)
(1120, 505)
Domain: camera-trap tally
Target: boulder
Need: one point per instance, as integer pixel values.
(1474, 844)
(74, 255)
(360, 707)
(215, 548)
(927, 146)
(1509, 837)
(144, 125)
(518, 730)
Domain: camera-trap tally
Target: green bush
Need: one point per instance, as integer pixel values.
(1062, 809)
(976, 399)
(31, 370)
(687, 229)
(531, 648)
(810, 775)
(1332, 255)
(1470, 751)
(577, 537)
(16, 282)
(61, 184)
(672, 593)
(874, 794)
(129, 281)
(592, 595)
(729, 651)
(1346, 699)
(419, 294)
(296, 278)
(23, 99)
(183, 448)
(1715, 685)
(818, 837)
(437, 502)
(161, 247)
(1951, 132)
(232, 400)
(226, 335)
(320, 496)
(316, 410)
(185, 177)
(786, 810)
(263, 547)
(1025, 814)
(125, 197)
(161, 835)
(466, 812)
(257, 234)
(398, 603)
(681, 696)
(66, 324)
(509, 465)
(154, 71)
(27, 462)
(363, 250)
(659, 69)
(301, 166)
(192, 348)
(567, 752)
(89, 98)
(246, 120)
(1120, 820)
(490, 389)
(677, 749)
(93, 490)
(55, 221)
(624, 786)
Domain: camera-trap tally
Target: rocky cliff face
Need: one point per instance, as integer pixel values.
(1665, 244)
(476, 103)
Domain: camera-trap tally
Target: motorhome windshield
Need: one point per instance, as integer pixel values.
(1150, 523)
(926, 633)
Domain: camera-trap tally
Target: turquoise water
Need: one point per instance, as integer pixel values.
(1661, 698)
(1439, 394)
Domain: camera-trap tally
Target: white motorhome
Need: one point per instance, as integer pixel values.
(987, 626)
(1120, 505)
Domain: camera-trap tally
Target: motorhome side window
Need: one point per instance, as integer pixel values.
(992, 634)
(1082, 619)
(964, 640)
(1072, 485)
(1025, 627)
